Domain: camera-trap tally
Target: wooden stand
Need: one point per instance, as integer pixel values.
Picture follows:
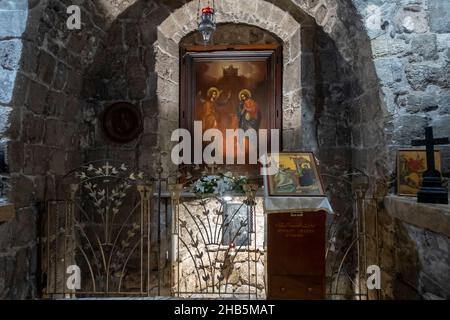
(295, 259)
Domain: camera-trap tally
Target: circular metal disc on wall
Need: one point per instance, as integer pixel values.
(122, 122)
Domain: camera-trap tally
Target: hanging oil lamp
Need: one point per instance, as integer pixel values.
(207, 23)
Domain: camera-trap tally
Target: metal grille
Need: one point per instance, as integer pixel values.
(103, 230)
(218, 248)
(207, 247)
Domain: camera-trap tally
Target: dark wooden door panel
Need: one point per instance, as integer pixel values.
(296, 251)
(296, 288)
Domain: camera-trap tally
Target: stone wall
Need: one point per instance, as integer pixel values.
(343, 51)
(410, 44)
(124, 70)
(42, 136)
(54, 125)
(17, 238)
(414, 250)
(140, 65)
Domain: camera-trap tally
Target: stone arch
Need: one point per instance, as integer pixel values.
(327, 14)
(182, 22)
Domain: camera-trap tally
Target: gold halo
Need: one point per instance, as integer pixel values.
(213, 89)
(246, 91)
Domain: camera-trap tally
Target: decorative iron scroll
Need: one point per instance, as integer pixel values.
(108, 227)
(217, 254)
(102, 228)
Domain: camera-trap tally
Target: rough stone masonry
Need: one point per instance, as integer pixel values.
(373, 73)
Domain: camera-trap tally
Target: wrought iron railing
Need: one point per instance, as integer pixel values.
(218, 247)
(128, 237)
(96, 242)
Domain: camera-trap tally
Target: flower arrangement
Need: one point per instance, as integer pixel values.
(219, 184)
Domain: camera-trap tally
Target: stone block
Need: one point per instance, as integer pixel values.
(5, 244)
(389, 71)
(169, 111)
(147, 31)
(308, 71)
(131, 35)
(71, 138)
(420, 76)
(386, 46)
(74, 82)
(7, 78)
(20, 91)
(356, 137)
(33, 128)
(372, 135)
(10, 51)
(149, 140)
(412, 19)
(14, 5)
(407, 128)
(12, 23)
(112, 90)
(20, 280)
(150, 125)
(46, 67)
(70, 110)
(137, 78)
(150, 107)
(441, 127)
(14, 124)
(36, 97)
(425, 45)
(29, 61)
(24, 227)
(54, 132)
(444, 104)
(60, 77)
(36, 160)
(291, 118)
(326, 135)
(55, 103)
(169, 27)
(292, 76)
(15, 156)
(57, 161)
(422, 102)
(5, 113)
(167, 91)
(343, 136)
(22, 190)
(164, 66)
(439, 16)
